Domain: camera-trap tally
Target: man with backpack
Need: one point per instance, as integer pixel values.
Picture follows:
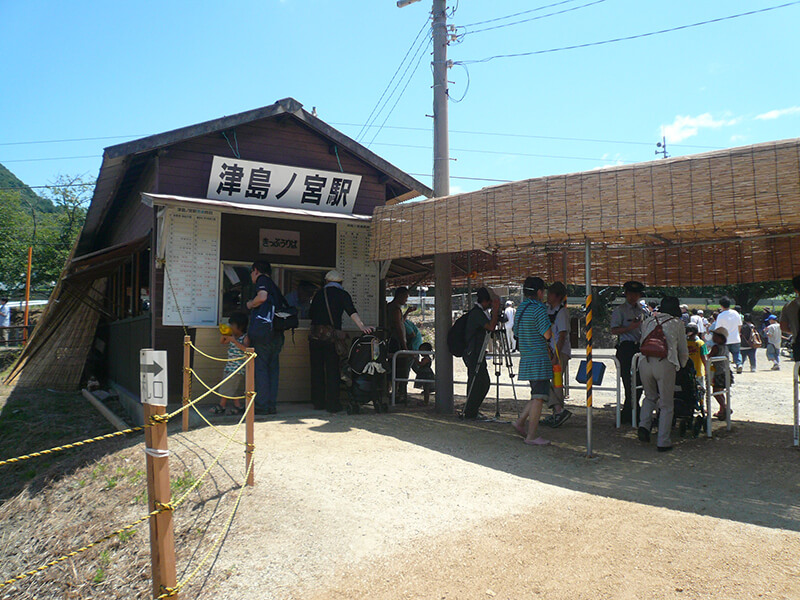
(265, 339)
(477, 324)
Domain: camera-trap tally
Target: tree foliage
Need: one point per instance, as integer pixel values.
(51, 233)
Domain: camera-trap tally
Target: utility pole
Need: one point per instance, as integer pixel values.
(441, 187)
(661, 147)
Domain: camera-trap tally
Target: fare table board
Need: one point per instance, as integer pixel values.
(191, 276)
(361, 275)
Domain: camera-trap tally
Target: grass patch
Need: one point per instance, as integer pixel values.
(180, 484)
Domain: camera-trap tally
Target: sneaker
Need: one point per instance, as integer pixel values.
(776, 367)
(643, 434)
(752, 369)
(561, 418)
(549, 421)
(739, 370)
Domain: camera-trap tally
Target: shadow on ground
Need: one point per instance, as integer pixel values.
(749, 474)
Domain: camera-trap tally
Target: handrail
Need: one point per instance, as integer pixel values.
(513, 384)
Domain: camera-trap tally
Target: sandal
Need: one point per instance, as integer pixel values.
(540, 441)
(236, 410)
(218, 409)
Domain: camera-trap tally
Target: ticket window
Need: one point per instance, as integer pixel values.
(298, 284)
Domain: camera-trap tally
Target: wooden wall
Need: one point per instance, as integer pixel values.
(185, 168)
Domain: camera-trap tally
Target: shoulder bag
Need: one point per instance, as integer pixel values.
(326, 334)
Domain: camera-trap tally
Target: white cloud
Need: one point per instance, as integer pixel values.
(776, 114)
(684, 126)
(736, 138)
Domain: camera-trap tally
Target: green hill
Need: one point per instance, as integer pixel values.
(9, 180)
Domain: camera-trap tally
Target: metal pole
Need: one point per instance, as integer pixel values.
(250, 419)
(589, 374)
(27, 295)
(441, 187)
(187, 380)
(797, 404)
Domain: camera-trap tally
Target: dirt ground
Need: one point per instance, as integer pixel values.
(417, 505)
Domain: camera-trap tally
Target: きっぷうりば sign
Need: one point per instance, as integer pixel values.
(277, 241)
(282, 186)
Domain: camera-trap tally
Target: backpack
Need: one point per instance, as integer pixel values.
(654, 345)
(457, 336)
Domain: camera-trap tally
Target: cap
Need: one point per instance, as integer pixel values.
(772, 318)
(509, 303)
(633, 286)
(721, 331)
(692, 327)
(684, 307)
(700, 311)
(534, 284)
(334, 276)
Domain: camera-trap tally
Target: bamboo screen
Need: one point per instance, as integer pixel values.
(724, 217)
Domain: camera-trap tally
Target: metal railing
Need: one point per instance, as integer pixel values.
(709, 393)
(513, 384)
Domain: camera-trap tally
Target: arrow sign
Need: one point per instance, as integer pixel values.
(152, 369)
(153, 377)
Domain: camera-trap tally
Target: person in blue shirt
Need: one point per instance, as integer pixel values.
(532, 329)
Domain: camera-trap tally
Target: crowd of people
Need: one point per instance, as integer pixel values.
(668, 336)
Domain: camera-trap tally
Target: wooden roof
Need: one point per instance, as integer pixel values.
(729, 216)
(123, 164)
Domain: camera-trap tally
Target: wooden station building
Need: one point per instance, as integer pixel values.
(175, 221)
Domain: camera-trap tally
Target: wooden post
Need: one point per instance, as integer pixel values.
(187, 380)
(249, 386)
(162, 536)
(27, 294)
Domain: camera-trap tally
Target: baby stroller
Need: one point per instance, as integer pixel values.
(369, 363)
(689, 411)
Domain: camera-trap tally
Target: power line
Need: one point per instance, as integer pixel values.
(529, 136)
(469, 178)
(37, 187)
(50, 158)
(517, 14)
(552, 14)
(423, 48)
(628, 38)
(501, 153)
(89, 139)
(388, 85)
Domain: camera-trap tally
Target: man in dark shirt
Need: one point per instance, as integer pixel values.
(479, 325)
(266, 342)
(326, 323)
(398, 340)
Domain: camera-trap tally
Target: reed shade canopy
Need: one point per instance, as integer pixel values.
(719, 218)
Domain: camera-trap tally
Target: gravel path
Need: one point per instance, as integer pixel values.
(414, 505)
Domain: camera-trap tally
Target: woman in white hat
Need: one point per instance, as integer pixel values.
(326, 330)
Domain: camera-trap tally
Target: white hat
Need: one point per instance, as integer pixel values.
(334, 276)
(509, 303)
(700, 311)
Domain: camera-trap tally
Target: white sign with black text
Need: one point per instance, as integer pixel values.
(153, 376)
(283, 186)
(278, 241)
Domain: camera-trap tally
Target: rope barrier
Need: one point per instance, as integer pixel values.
(72, 553)
(154, 419)
(205, 385)
(217, 429)
(208, 356)
(170, 592)
(160, 507)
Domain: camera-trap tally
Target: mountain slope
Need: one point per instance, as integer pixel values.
(9, 180)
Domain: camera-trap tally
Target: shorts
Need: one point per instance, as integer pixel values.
(540, 389)
(232, 388)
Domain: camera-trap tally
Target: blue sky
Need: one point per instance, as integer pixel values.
(89, 69)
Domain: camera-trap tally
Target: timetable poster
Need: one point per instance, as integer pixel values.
(191, 274)
(361, 275)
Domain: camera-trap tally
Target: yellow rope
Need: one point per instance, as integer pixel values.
(208, 356)
(215, 428)
(185, 495)
(170, 592)
(212, 390)
(77, 551)
(205, 385)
